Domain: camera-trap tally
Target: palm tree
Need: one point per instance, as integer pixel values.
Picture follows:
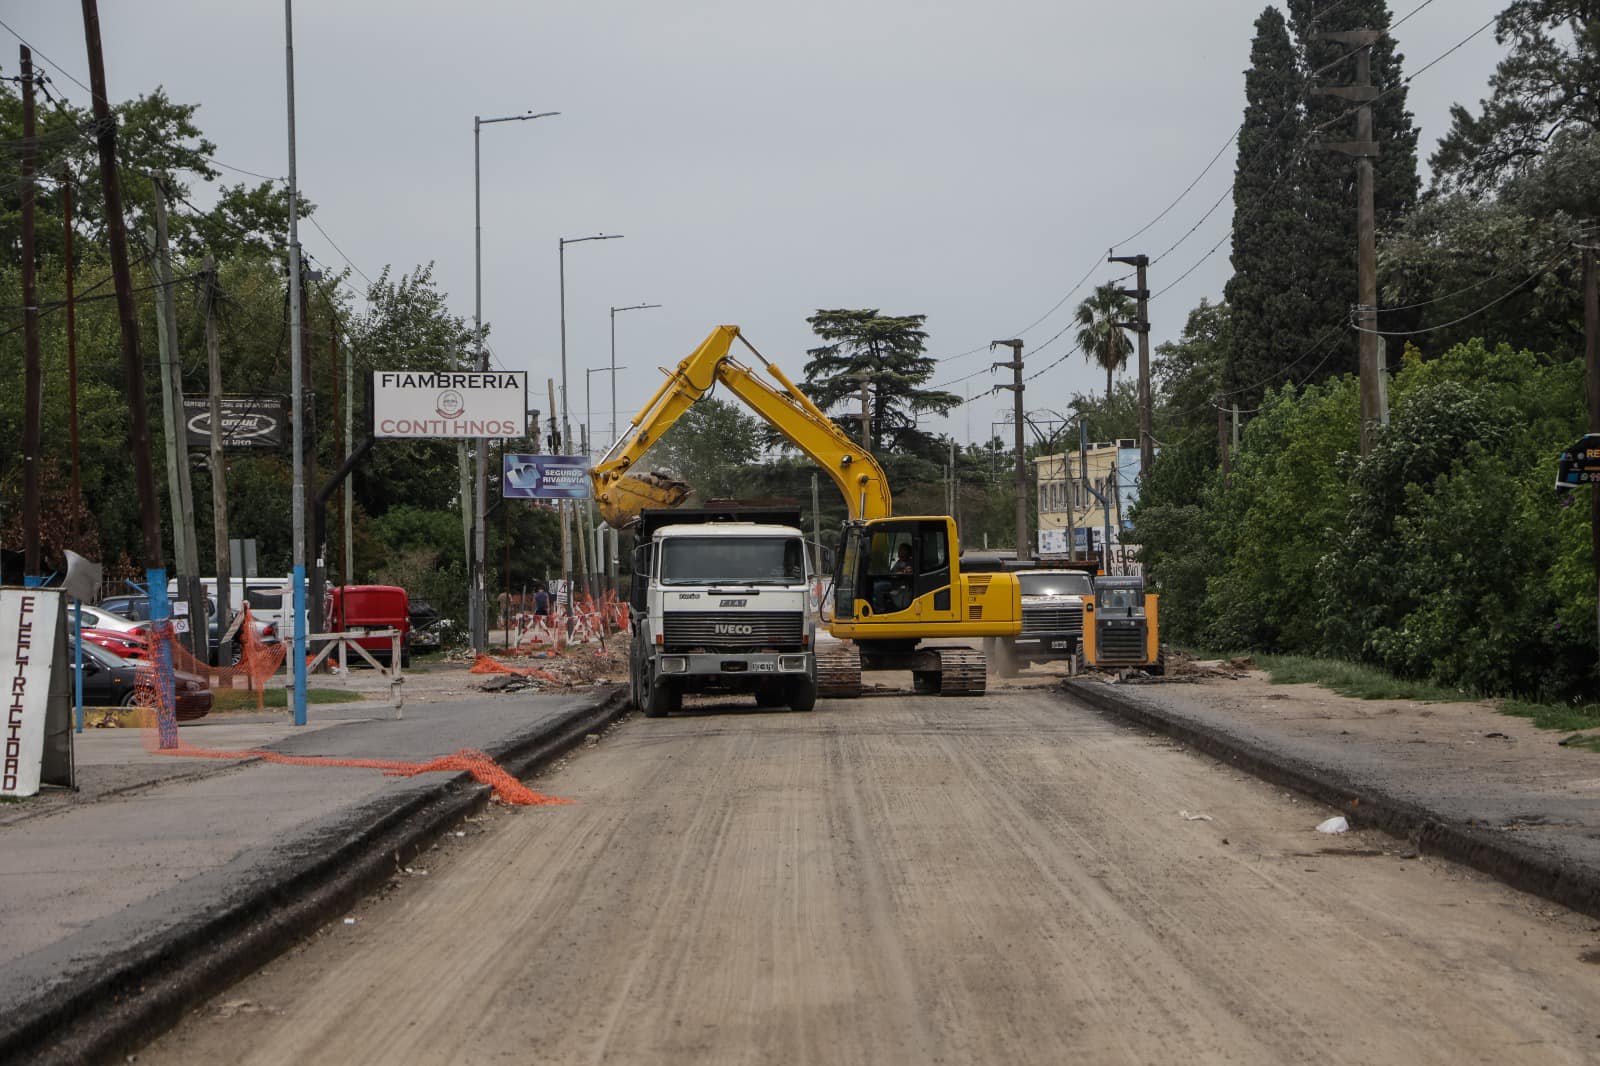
(1101, 339)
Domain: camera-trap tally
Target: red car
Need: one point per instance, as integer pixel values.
(123, 645)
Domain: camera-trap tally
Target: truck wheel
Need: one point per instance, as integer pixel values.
(635, 698)
(661, 697)
(802, 694)
(405, 655)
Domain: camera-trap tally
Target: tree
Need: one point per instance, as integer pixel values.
(889, 351)
(1327, 186)
(1270, 291)
(1103, 342)
(1542, 94)
(710, 447)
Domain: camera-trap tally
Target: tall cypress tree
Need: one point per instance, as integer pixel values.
(1329, 178)
(1268, 293)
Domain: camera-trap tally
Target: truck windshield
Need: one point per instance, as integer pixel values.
(732, 561)
(1054, 584)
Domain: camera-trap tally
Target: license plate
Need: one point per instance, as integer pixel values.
(766, 667)
(1058, 645)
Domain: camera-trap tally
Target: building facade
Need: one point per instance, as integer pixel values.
(1070, 514)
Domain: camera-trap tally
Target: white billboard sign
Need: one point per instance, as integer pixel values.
(449, 403)
(33, 660)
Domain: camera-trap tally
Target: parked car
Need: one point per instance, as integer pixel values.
(105, 618)
(110, 680)
(356, 608)
(137, 608)
(123, 645)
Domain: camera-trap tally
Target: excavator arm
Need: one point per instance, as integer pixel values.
(621, 495)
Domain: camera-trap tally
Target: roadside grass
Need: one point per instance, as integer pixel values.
(1371, 683)
(238, 699)
(1565, 717)
(1353, 679)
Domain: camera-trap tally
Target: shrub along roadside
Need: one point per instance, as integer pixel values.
(1445, 557)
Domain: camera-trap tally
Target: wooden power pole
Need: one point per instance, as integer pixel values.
(1591, 353)
(219, 471)
(1141, 326)
(32, 374)
(1365, 149)
(1024, 548)
(180, 490)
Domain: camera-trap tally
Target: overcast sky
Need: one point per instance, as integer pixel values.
(762, 160)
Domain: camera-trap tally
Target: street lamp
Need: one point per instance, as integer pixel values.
(614, 367)
(478, 602)
(566, 425)
(588, 397)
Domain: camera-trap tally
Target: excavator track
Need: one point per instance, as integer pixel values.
(838, 672)
(962, 672)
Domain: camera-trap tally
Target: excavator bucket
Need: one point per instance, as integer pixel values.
(624, 498)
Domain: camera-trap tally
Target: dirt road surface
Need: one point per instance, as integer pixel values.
(897, 880)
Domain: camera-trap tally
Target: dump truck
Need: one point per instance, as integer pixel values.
(720, 602)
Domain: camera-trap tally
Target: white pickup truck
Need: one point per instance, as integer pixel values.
(721, 605)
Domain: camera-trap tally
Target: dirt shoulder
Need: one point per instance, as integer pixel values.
(1504, 788)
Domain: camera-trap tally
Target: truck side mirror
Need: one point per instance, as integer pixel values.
(639, 588)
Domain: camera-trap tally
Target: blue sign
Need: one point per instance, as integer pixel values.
(545, 477)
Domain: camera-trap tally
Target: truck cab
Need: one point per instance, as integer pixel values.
(721, 604)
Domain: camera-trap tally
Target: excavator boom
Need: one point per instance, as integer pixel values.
(621, 495)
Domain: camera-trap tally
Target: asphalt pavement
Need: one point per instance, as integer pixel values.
(158, 857)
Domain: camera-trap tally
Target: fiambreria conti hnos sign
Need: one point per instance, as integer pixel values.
(449, 403)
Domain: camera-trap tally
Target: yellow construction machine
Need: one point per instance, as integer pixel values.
(897, 580)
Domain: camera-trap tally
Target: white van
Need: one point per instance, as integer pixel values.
(270, 598)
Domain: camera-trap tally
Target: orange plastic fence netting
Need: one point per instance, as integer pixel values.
(487, 664)
(479, 765)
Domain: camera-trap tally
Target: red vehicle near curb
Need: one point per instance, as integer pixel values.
(358, 608)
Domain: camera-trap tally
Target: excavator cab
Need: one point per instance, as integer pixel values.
(897, 568)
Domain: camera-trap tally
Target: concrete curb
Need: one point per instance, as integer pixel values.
(1501, 856)
(96, 1016)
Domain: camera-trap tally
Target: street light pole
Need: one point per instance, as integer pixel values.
(566, 423)
(614, 367)
(477, 600)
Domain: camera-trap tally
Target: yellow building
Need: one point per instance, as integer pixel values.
(1066, 506)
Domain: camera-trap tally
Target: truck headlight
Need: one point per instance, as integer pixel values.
(792, 663)
(674, 664)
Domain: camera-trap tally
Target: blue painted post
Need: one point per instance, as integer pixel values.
(161, 646)
(299, 645)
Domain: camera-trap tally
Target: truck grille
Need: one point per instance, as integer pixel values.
(1121, 644)
(733, 629)
(1063, 619)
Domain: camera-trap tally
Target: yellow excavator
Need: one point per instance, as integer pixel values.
(897, 580)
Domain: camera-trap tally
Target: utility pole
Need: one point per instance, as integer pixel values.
(1591, 355)
(1024, 549)
(219, 472)
(296, 390)
(180, 489)
(1141, 292)
(1365, 149)
(72, 345)
(338, 441)
(307, 399)
(33, 374)
(580, 517)
(1222, 437)
(349, 553)
(132, 365)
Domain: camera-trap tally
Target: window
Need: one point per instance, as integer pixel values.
(732, 561)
